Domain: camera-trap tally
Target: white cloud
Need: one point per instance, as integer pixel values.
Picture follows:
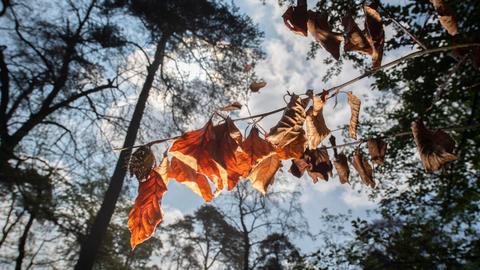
(355, 199)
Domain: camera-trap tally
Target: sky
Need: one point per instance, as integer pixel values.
(286, 68)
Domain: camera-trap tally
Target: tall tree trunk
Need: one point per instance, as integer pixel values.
(89, 247)
(22, 242)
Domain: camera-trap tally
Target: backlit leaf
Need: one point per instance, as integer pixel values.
(355, 39)
(377, 149)
(363, 168)
(197, 182)
(146, 213)
(316, 128)
(141, 163)
(374, 33)
(446, 16)
(295, 18)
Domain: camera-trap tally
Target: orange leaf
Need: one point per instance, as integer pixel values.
(197, 149)
(321, 30)
(374, 32)
(295, 18)
(146, 213)
(256, 149)
(184, 174)
(354, 104)
(446, 16)
(320, 165)
(233, 157)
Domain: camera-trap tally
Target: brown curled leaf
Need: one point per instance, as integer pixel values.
(232, 107)
(141, 163)
(435, 147)
(321, 30)
(363, 168)
(316, 128)
(255, 86)
(295, 18)
(354, 104)
(298, 167)
(147, 211)
(320, 165)
(355, 39)
(341, 165)
(374, 33)
(377, 149)
(290, 125)
(446, 16)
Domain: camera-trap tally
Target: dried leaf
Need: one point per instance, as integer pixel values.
(377, 149)
(355, 39)
(256, 149)
(363, 168)
(374, 33)
(354, 104)
(295, 18)
(197, 182)
(298, 167)
(255, 86)
(163, 169)
(341, 165)
(234, 158)
(316, 128)
(320, 29)
(146, 213)
(320, 165)
(446, 16)
(435, 147)
(290, 125)
(232, 107)
(212, 151)
(263, 174)
(141, 163)
(294, 149)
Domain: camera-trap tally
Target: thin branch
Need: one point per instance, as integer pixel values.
(336, 88)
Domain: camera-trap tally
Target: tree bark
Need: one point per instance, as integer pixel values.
(89, 247)
(22, 242)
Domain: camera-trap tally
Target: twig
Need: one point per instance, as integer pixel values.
(336, 88)
(403, 134)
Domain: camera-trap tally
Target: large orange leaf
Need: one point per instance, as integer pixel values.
(197, 182)
(263, 160)
(232, 157)
(146, 213)
(256, 149)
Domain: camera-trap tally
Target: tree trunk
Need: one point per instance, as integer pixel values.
(89, 247)
(22, 242)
